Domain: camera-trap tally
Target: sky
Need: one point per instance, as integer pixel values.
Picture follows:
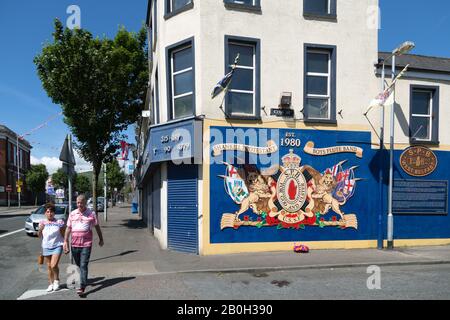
(25, 26)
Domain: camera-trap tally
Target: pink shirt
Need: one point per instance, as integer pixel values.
(81, 225)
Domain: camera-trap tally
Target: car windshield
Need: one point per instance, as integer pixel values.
(59, 210)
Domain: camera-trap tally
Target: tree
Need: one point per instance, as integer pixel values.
(36, 178)
(82, 184)
(100, 85)
(61, 179)
(115, 177)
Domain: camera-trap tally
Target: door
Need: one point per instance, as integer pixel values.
(182, 210)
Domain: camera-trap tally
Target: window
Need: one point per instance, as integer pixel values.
(174, 7)
(181, 78)
(249, 4)
(155, 101)
(242, 98)
(424, 114)
(154, 25)
(323, 8)
(320, 83)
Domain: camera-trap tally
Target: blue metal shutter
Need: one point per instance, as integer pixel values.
(182, 210)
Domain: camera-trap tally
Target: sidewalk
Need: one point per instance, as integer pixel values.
(130, 250)
(131, 257)
(14, 210)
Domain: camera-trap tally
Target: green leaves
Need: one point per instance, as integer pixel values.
(100, 84)
(36, 178)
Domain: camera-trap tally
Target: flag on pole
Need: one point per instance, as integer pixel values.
(226, 80)
(386, 98)
(124, 146)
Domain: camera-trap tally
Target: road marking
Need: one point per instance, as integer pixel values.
(10, 233)
(37, 293)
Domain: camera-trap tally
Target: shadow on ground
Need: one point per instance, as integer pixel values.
(116, 255)
(103, 284)
(134, 224)
(3, 216)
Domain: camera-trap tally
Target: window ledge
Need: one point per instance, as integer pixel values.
(242, 117)
(243, 7)
(187, 7)
(321, 17)
(424, 143)
(318, 121)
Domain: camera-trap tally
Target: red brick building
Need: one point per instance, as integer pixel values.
(8, 165)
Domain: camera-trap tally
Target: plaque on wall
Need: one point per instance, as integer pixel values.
(422, 197)
(418, 161)
(286, 113)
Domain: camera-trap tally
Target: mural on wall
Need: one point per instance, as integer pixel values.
(291, 195)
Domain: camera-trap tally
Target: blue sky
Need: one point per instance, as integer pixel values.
(26, 25)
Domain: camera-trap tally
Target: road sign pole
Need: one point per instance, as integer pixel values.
(18, 171)
(9, 199)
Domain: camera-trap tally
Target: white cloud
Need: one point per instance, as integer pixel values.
(53, 163)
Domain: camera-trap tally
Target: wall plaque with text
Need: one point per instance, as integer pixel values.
(418, 161)
(420, 197)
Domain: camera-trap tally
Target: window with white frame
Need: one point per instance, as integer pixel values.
(182, 81)
(424, 114)
(174, 5)
(244, 2)
(241, 97)
(318, 84)
(154, 25)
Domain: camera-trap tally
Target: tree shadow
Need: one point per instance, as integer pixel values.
(116, 255)
(105, 284)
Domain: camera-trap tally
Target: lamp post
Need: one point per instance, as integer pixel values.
(402, 49)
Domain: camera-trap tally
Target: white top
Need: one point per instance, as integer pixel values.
(51, 235)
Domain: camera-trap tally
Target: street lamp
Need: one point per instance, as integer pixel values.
(402, 49)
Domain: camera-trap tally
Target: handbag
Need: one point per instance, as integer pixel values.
(40, 259)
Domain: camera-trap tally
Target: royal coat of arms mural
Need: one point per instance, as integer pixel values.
(291, 194)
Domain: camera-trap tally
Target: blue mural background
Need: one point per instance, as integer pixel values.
(365, 203)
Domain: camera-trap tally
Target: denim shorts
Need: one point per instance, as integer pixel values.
(53, 251)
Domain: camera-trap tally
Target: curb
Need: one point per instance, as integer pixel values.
(308, 267)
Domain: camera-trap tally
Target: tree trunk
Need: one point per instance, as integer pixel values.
(35, 201)
(96, 173)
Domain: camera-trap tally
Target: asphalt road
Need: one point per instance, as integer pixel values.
(18, 267)
(407, 282)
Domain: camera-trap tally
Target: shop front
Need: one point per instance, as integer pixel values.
(272, 186)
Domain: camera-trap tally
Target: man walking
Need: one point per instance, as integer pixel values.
(79, 226)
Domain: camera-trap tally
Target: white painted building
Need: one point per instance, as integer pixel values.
(322, 56)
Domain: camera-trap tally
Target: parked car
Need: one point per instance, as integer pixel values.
(32, 222)
(100, 206)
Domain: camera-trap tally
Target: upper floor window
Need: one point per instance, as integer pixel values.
(424, 114)
(182, 88)
(173, 7)
(320, 85)
(154, 25)
(324, 8)
(243, 94)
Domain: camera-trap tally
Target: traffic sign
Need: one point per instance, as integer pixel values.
(8, 188)
(19, 189)
(20, 183)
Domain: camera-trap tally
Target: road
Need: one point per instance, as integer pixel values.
(407, 282)
(18, 270)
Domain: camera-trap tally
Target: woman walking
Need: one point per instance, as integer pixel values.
(52, 233)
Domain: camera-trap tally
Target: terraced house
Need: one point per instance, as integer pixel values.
(287, 152)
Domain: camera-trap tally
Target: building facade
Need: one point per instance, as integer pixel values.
(10, 162)
(286, 154)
